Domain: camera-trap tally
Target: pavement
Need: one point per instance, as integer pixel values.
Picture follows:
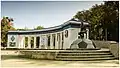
(9, 59)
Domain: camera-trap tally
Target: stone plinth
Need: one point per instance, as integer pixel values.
(85, 43)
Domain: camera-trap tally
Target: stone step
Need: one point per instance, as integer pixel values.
(85, 59)
(83, 54)
(103, 54)
(84, 51)
(90, 56)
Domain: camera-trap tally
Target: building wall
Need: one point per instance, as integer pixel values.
(43, 42)
(73, 35)
(67, 41)
(10, 41)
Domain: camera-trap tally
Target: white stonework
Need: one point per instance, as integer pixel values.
(34, 41)
(58, 40)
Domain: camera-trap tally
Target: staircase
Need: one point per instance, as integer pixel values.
(85, 55)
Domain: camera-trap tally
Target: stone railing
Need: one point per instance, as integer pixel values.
(111, 45)
(39, 54)
(51, 54)
(101, 44)
(114, 49)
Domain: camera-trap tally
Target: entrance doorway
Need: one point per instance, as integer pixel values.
(32, 42)
(58, 39)
(48, 42)
(37, 42)
(53, 40)
(62, 40)
(26, 42)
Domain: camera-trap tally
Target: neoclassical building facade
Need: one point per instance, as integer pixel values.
(58, 37)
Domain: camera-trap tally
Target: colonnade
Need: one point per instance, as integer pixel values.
(43, 41)
(31, 41)
(23, 43)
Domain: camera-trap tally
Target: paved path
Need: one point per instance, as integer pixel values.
(10, 59)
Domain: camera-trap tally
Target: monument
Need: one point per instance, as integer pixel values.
(82, 41)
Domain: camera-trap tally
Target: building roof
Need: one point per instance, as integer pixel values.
(59, 27)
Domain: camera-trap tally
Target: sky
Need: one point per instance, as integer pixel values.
(31, 14)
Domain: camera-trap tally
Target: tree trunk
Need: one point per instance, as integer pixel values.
(106, 34)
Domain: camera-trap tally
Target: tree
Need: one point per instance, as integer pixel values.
(111, 18)
(39, 28)
(23, 29)
(104, 20)
(6, 25)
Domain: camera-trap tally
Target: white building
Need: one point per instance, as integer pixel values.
(58, 37)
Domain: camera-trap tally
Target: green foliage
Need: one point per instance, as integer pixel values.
(39, 28)
(104, 20)
(32, 38)
(6, 25)
(23, 29)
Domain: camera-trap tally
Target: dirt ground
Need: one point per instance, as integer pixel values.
(11, 60)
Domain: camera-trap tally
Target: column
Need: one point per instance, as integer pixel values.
(56, 46)
(61, 40)
(35, 42)
(19, 41)
(87, 33)
(85, 36)
(8, 43)
(39, 46)
(24, 42)
(29, 45)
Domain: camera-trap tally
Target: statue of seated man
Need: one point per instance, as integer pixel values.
(82, 42)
